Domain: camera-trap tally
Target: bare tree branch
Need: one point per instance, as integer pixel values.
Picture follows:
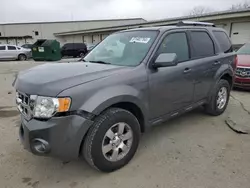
(200, 10)
(239, 6)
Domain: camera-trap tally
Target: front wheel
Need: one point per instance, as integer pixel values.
(219, 99)
(112, 140)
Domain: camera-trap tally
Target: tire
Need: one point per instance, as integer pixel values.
(81, 54)
(213, 108)
(96, 137)
(22, 57)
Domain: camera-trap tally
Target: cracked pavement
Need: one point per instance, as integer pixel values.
(194, 150)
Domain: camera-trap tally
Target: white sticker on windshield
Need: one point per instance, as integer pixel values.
(140, 40)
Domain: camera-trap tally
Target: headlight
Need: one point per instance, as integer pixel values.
(46, 107)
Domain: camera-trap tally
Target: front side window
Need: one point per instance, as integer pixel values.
(124, 49)
(175, 43)
(202, 44)
(11, 48)
(244, 50)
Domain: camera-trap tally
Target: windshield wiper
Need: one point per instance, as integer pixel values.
(100, 62)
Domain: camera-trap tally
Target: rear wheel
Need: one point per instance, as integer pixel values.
(22, 57)
(219, 99)
(112, 141)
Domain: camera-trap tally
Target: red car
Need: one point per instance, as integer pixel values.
(242, 73)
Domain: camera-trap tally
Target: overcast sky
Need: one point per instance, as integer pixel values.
(60, 10)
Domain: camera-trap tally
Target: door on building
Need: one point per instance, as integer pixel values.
(12, 41)
(103, 36)
(240, 33)
(20, 42)
(96, 39)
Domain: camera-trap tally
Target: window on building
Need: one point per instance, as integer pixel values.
(176, 43)
(224, 41)
(2, 48)
(11, 48)
(36, 33)
(203, 45)
(0, 34)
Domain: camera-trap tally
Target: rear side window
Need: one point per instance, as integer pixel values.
(2, 47)
(176, 43)
(68, 46)
(202, 44)
(223, 41)
(11, 48)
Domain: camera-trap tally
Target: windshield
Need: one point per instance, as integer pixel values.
(244, 50)
(124, 49)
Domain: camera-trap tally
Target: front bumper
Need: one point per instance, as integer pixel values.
(63, 135)
(242, 82)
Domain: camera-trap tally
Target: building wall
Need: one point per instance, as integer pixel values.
(226, 24)
(86, 38)
(47, 30)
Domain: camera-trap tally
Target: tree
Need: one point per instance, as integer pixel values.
(239, 6)
(200, 10)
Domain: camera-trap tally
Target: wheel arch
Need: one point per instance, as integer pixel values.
(22, 54)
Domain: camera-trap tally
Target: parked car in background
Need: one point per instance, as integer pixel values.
(242, 73)
(74, 50)
(27, 46)
(12, 52)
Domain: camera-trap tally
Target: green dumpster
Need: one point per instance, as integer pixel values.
(46, 50)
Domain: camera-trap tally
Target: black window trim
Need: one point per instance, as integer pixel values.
(164, 35)
(191, 43)
(231, 48)
(11, 46)
(4, 47)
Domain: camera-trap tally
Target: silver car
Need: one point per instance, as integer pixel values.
(13, 52)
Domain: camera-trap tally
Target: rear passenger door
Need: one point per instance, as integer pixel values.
(205, 62)
(11, 52)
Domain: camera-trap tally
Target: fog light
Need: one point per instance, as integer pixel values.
(40, 146)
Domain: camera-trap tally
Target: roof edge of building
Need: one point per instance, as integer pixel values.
(118, 27)
(70, 21)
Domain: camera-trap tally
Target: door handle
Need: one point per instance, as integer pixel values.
(187, 70)
(216, 62)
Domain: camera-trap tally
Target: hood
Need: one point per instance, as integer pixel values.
(244, 60)
(52, 78)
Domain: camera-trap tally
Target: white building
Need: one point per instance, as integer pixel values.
(22, 33)
(236, 23)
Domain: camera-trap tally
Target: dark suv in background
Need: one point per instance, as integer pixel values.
(74, 50)
(131, 81)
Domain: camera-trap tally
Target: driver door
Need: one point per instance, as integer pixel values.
(171, 88)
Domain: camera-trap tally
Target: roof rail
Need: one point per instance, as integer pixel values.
(192, 23)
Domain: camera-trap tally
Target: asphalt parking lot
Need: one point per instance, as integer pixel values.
(193, 151)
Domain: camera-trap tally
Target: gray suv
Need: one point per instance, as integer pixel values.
(131, 81)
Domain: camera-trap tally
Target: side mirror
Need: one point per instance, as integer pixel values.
(165, 60)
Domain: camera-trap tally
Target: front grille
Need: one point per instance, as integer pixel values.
(23, 105)
(243, 72)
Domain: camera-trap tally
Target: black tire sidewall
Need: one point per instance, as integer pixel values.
(96, 151)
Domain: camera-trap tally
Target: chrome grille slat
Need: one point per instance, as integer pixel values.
(23, 105)
(243, 72)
